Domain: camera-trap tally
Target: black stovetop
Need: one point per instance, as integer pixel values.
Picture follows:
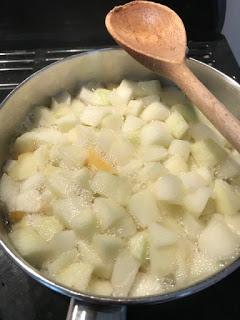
(22, 298)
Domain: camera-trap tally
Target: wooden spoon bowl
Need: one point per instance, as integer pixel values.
(145, 29)
(155, 36)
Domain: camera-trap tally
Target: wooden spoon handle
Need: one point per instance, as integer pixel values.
(208, 104)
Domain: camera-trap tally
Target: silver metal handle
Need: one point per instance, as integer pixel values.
(79, 311)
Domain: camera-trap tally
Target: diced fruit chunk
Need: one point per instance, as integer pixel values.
(77, 107)
(66, 122)
(121, 151)
(9, 190)
(153, 153)
(162, 260)
(77, 275)
(192, 180)
(43, 117)
(233, 223)
(92, 116)
(186, 110)
(107, 246)
(155, 111)
(151, 171)
(124, 228)
(81, 135)
(155, 132)
(24, 167)
(134, 107)
(131, 168)
(124, 273)
(62, 261)
(138, 246)
(177, 125)
(217, 241)
(30, 141)
(206, 174)
(102, 96)
(227, 199)
(196, 201)
(86, 96)
(105, 139)
(207, 152)
(70, 156)
(112, 122)
(110, 186)
(122, 94)
(169, 188)
(181, 148)
(229, 168)
(161, 236)
(143, 207)
(84, 223)
(60, 110)
(29, 244)
(67, 209)
(132, 123)
(107, 211)
(146, 284)
(16, 216)
(89, 255)
(29, 201)
(100, 287)
(191, 225)
(64, 182)
(96, 161)
(63, 241)
(46, 226)
(176, 165)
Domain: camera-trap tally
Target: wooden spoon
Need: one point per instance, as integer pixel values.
(155, 36)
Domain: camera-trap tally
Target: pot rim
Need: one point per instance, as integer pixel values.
(94, 299)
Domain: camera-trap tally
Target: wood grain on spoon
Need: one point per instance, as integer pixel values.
(155, 36)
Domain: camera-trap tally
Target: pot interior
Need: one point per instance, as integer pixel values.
(108, 65)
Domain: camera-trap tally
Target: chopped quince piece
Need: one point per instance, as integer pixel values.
(96, 161)
(16, 216)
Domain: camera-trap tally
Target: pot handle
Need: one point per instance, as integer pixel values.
(79, 311)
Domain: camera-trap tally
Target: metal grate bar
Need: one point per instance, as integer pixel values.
(17, 52)
(7, 86)
(16, 69)
(17, 61)
(66, 51)
(53, 51)
(54, 59)
(15, 66)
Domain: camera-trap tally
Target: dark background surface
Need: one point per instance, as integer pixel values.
(59, 24)
(49, 23)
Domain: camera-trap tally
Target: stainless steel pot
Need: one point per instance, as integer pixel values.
(109, 65)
